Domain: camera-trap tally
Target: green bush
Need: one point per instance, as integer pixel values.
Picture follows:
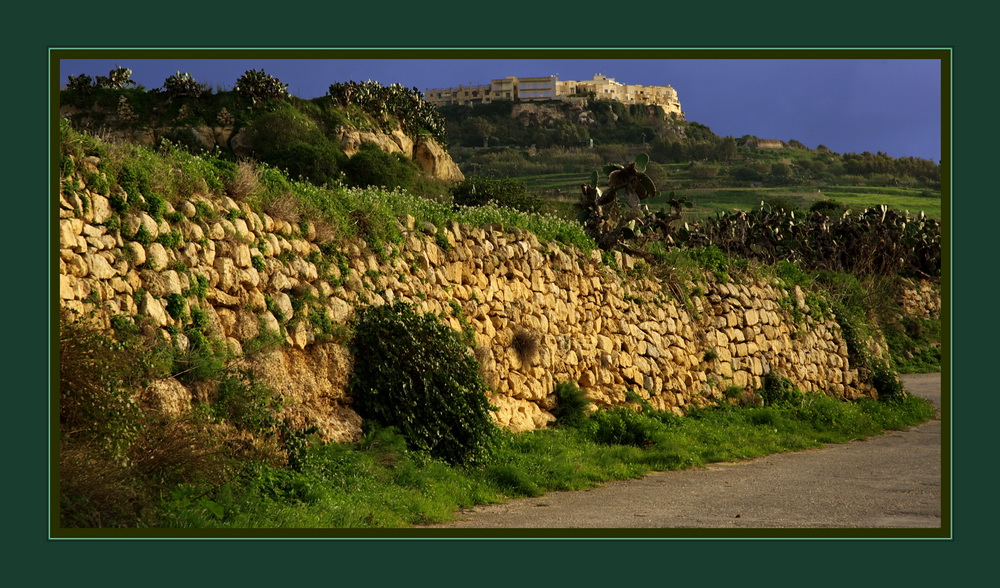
(246, 404)
(183, 85)
(572, 405)
(418, 376)
(622, 425)
(507, 192)
(885, 381)
(373, 167)
(287, 140)
(777, 389)
(830, 208)
(259, 87)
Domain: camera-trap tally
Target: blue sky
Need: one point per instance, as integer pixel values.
(849, 105)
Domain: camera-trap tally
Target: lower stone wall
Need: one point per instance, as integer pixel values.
(541, 313)
(921, 298)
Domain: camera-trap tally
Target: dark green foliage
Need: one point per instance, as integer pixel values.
(417, 375)
(879, 163)
(177, 306)
(371, 166)
(613, 122)
(747, 174)
(508, 192)
(245, 403)
(886, 382)
(171, 240)
(199, 286)
(393, 103)
(183, 85)
(154, 204)
(622, 425)
(572, 405)
(286, 140)
(777, 389)
(830, 208)
(259, 87)
(97, 182)
(876, 241)
(97, 376)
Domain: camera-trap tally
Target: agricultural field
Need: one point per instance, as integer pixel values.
(561, 190)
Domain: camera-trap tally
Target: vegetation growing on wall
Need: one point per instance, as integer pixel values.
(419, 377)
(294, 135)
(232, 463)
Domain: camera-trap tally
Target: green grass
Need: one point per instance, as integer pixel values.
(911, 199)
(561, 190)
(378, 483)
(709, 201)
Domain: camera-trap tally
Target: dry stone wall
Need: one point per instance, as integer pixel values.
(921, 299)
(540, 313)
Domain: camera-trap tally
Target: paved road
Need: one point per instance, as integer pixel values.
(889, 481)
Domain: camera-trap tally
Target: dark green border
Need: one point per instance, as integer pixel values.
(504, 562)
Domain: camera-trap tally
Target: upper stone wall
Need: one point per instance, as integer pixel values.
(609, 330)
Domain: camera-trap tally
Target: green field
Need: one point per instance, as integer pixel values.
(709, 201)
(562, 189)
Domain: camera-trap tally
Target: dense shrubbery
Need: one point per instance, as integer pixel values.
(259, 86)
(876, 241)
(500, 191)
(392, 103)
(287, 140)
(183, 85)
(572, 405)
(420, 377)
(371, 166)
(614, 122)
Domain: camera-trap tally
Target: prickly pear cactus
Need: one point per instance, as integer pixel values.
(616, 217)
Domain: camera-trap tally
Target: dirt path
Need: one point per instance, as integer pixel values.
(889, 481)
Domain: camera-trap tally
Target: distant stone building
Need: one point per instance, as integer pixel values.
(601, 87)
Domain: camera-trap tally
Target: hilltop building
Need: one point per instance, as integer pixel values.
(601, 87)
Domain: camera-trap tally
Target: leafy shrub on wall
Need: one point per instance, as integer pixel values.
(373, 167)
(417, 375)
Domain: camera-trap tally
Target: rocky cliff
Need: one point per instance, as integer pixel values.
(540, 313)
